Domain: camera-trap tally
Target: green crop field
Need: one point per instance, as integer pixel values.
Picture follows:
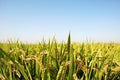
(59, 61)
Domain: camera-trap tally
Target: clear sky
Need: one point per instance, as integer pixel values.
(31, 20)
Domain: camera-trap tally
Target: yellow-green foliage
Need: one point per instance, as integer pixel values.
(60, 61)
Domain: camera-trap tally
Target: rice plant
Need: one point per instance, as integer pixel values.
(59, 61)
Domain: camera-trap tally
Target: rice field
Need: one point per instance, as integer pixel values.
(59, 61)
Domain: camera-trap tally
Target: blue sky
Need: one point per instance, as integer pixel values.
(31, 20)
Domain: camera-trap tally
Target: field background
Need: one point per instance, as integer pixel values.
(28, 50)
